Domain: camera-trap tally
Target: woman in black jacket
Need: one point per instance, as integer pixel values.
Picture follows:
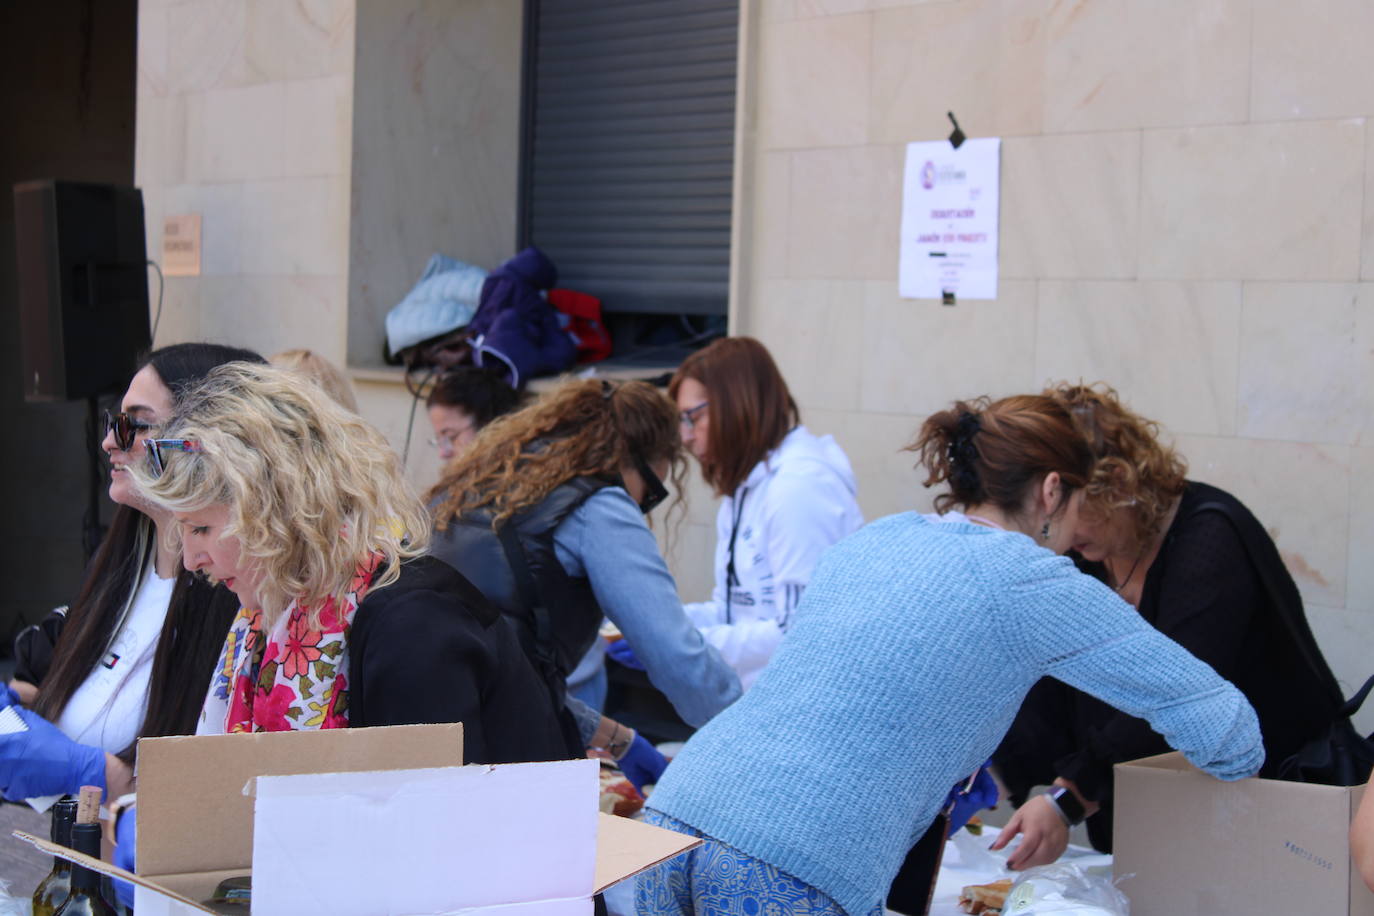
(1201, 569)
(300, 509)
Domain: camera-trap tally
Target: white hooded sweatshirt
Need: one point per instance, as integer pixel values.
(794, 504)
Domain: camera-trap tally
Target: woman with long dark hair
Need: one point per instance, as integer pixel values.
(138, 644)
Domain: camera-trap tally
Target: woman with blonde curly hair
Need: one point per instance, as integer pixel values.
(1201, 569)
(546, 515)
(298, 506)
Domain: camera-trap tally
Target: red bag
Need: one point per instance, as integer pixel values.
(582, 322)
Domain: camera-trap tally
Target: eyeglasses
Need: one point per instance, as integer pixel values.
(654, 491)
(125, 429)
(688, 417)
(154, 447)
(450, 437)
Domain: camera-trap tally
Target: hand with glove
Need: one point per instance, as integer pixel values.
(641, 763)
(620, 651)
(967, 799)
(126, 837)
(42, 761)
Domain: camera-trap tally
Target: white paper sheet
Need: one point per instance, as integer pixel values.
(950, 208)
(420, 841)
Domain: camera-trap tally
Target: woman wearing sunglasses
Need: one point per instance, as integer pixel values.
(135, 647)
(546, 514)
(298, 506)
(788, 495)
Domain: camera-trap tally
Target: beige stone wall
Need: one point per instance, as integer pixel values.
(1183, 187)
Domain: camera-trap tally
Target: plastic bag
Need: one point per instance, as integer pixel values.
(13, 906)
(1064, 889)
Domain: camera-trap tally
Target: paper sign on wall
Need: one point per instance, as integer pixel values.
(950, 200)
(181, 245)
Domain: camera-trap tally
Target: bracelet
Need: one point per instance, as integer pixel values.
(617, 747)
(1068, 805)
(1057, 810)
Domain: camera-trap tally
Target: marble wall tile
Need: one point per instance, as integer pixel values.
(221, 223)
(1070, 206)
(807, 324)
(1344, 637)
(812, 80)
(271, 314)
(1168, 348)
(181, 311)
(160, 140)
(1311, 60)
(1304, 375)
(772, 11)
(300, 40)
(295, 226)
(1147, 63)
(769, 209)
(292, 129)
(1359, 595)
(1299, 491)
(982, 59)
(154, 45)
(888, 481)
(845, 213)
(920, 356)
(1255, 202)
(1367, 226)
(205, 45)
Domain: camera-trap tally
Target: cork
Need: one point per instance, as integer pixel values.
(88, 805)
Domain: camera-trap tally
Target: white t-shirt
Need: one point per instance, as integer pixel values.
(107, 709)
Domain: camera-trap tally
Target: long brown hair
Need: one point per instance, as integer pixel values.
(995, 452)
(751, 409)
(198, 614)
(581, 429)
(1135, 472)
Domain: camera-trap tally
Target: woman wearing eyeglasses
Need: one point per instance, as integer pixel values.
(298, 506)
(788, 495)
(136, 645)
(462, 401)
(546, 515)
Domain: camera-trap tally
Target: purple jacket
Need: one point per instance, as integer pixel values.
(515, 329)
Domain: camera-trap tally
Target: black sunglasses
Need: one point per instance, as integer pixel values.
(125, 429)
(654, 490)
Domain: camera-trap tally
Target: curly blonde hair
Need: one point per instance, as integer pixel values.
(312, 489)
(1133, 472)
(581, 429)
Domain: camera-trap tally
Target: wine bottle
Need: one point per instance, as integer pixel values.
(86, 898)
(52, 891)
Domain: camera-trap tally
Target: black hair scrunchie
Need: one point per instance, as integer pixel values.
(963, 454)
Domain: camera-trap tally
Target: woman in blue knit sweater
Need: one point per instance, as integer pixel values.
(812, 787)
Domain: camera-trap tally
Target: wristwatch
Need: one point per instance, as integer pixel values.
(1068, 805)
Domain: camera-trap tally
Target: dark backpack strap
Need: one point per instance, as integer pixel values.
(529, 594)
(1353, 705)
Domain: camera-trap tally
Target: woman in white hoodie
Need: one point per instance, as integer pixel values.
(788, 495)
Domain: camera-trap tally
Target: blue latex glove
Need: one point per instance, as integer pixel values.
(965, 804)
(8, 697)
(43, 761)
(126, 837)
(620, 651)
(642, 763)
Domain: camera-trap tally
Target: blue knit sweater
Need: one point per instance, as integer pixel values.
(909, 656)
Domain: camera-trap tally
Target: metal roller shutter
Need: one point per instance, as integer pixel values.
(628, 148)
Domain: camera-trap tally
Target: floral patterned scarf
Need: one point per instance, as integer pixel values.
(292, 678)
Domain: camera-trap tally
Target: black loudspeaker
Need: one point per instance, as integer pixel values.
(83, 287)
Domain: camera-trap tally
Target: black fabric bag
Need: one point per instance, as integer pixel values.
(1337, 755)
(1340, 757)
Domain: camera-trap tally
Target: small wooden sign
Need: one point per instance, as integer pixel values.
(181, 245)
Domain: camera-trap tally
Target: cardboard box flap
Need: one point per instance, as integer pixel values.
(193, 815)
(625, 848)
(105, 868)
(479, 836)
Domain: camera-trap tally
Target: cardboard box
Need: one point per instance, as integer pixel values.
(376, 821)
(1186, 844)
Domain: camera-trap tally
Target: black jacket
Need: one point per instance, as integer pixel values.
(430, 648)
